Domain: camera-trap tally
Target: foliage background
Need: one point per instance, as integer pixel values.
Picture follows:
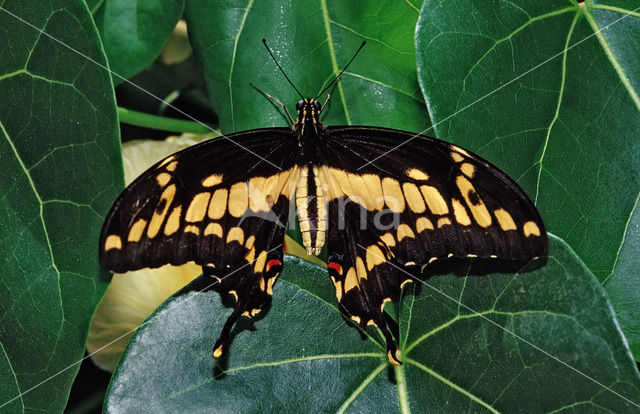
(548, 91)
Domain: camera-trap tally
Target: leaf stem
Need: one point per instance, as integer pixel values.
(141, 119)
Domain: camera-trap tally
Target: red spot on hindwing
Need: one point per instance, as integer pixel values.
(271, 263)
(335, 266)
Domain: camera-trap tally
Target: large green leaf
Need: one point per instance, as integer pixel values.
(303, 357)
(60, 171)
(312, 40)
(134, 32)
(559, 85)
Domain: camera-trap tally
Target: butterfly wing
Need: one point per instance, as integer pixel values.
(198, 205)
(426, 200)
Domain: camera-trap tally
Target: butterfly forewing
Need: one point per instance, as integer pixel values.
(197, 205)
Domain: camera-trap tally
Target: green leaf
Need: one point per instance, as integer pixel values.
(59, 151)
(134, 32)
(303, 357)
(549, 91)
(312, 40)
(622, 285)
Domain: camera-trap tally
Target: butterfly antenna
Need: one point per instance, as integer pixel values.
(343, 69)
(264, 41)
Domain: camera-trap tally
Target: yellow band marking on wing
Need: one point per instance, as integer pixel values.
(374, 189)
(238, 199)
(460, 213)
(198, 207)
(166, 198)
(423, 224)
(434, 200)
(172, 166)
(405, 231)
(214, 229)
(218, 204)
(251, 254)
(173, 222)
(468, 169)
(414, 198)
(258, 267)
(235, 234)
(374, 256)
(113, 241)
(135, 233)
(338, 286)
(361, 270)
(257, 195)
(355, 318)
(443, 221)
(388, 239)
(167, 160)
(504, 219)
(250, 241)
(530, 228)
(213, 179)
(417, 174)
(350, 280)
(192, 229)
(474, 202)
(456, 157)
(270, 283)
(393, 197)
(163, 179)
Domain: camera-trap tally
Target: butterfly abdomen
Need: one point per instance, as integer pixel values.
(311, 205)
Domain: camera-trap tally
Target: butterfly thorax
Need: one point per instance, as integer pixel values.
(311, 200)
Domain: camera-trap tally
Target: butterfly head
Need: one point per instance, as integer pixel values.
(308, 114)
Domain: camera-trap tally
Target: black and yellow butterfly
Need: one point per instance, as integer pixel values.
(224, 204)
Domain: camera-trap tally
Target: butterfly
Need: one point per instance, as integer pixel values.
(381, 210)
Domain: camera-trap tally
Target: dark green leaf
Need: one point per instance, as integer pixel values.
(134, 32)
(59, 153)
(549, 91)
(303, 357)
(312, 40)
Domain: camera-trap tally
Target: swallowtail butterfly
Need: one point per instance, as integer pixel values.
(224, 204)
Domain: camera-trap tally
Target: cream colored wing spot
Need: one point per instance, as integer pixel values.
(443, 221)
(270, 283)
(350, 280)
(235, 234)
(172, 166)
(474, 202)
(468, 169)
(505, 220)
(455, 156)
(135, 233)
(374, 189)
(417, 174)
(212, 180)
(250, 256)
(213, 229)
(405, 231)
(234, 294)
(250, 241)
(530, 228)
(262, 284)
(173, 222)
(258, 266)
(413, 197)
(163, 179)
(218, 204)
(166, 198)
(374, 256)
(238, 199)
(192, 229)
(423, 224)
(460, 213)
(404, 282)
(338, 285)
(198, 207)
(393, 197)
(356, 319)
(361, 271)
(388, 239)
(434, 200)
(257, 195)
(166, 161)
(113, 241)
